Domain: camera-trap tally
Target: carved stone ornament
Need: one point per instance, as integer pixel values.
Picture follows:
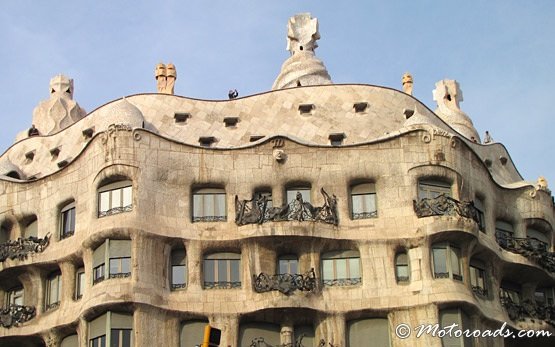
(109, 139)
(279, 155)
(256, 211)
(21, 248)
(15, 315)
(407, 83)
(285, 283)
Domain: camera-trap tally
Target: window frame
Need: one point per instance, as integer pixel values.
(477, 272)
(398, 278)
(366, 189)
(431, 188)
(228, 259)
(338, 260)
(304, 189)
(479, 205)
(67, 209)
(110, 190)
(53, 300)
(178, 264)
(450, 249)
(200, 197)
(15, 294)
(288, 261)
(80, 283)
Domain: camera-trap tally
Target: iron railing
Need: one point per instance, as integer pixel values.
(528, 247)
(22, 247)
(115, 210)
(14, 315)
(444, 205)
(285, 283)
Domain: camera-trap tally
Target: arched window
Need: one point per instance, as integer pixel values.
(209, 205)
(288, 264)
(341, 268)
(111, 329)
(115, 198)
(222, 270)
(402, 270)
(446, 261)
(67, 220)
(178, 269)
(361, 331)
(431, 189)
(363, 201)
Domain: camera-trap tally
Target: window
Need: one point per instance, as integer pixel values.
(209, 205)
(67, 221)
(360, 332)
(192, 333)
(341, 268)
(544, 296)
(448, 317)
(504, 233)
(363, 201)
(114, 328)
(510, 292)
(222, 270)
(430, 189)
(251, 332)
(479, 205)
(15, 296)
(538, 240)
(478, 278)
(79, 283)
(288, 264)
(117, 253)
(446, 261)
(304, 191)
(115, 198)
(53, 290)
(70, 341)
(31, 229)
(402, 271)
(179, 269)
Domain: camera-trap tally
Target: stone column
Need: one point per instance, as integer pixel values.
(402, 325)
(68, 282)
(287, 334)
(194, 261)
(83, 332)
(229, 325)
(331, 329)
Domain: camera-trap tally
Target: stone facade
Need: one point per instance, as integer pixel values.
(140, 204)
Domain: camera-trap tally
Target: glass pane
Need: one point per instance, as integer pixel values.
(473, 275)
(283, 266)
(354, 268)
(80, 283)
(116, 198)
(197, 205)
(222, 271)
(455, 266)
(292, 194)
(208, 205)
(327, 269)
(126, 338)
(209, 265)
(114, 266)
(293, 267)
(402, 271)
(341, 268)
(440, 260)
(219, 208)
(235, 277)
(358, 203)
(178, 274)
(125, 265)
(104, 201)
(127, 196)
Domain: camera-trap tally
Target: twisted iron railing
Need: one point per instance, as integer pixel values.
(115, 210)
(14, 315)
(285, 283)
(21, 248)
(528, 309)
(256, 210)
(528, 247)
(342, 282)
(222, 285)
(444, 205)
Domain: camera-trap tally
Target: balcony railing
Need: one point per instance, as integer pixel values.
(444, 205)
(21, 248)
(259, 342)
(257, 211)
(222, 285)
(480, 291)
(120, 275)
(115, 210)
(342, 282)
(14, 315)
(528, 310)
(285, 283)
(528, 247)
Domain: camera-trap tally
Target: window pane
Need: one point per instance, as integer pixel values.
(114, 266)
(197, 206)
(208, 205)
(219, 205)
(127, 196)
(104, 201)
(455, 265)
(341, 268)
(125, 265)
(292, 194)
(209, 265)
(402, 272)
(80, 284)
(178, 274)
(327, 269)
(116, 198)
(235, 277)
(126, 338)
(222, 271)
(440, 260)
(354, 268)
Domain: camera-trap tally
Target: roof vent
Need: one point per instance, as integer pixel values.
(30, 155)
(88, 133)
(231, 121)
(54, 152)
(360, 107)
(181, 117)
(206, 141)
(408, 112)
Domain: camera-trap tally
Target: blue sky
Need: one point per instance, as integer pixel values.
(501, 52)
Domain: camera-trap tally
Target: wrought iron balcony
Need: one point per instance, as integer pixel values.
(209, 219)
(21, 248)
(480, 291)
(177, 286)
(528, 247)
(364, 215)
(285, 283)
(222, 285)
(259, 342)
(444, 205)
(115, 210)
(120, 275)
(256, 210)
(342, 282)
(14, 315)
(528, 309)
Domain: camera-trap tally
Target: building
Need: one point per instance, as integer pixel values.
(314, 214)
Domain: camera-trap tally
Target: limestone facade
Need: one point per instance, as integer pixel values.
(134, 225)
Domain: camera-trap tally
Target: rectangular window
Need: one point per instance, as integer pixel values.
(363, 201)
(222, 271)
(67, 221)
(209, 205)
(98, 274)
(15, 296)
(115, 198)
(292, 194)
(120, 267)
(432, 189)
(120, 338)
(446, 262)
(53, 291)
(98, 341)
(288, 265)
(178, 269)
(79, 284)
(479, 205)
(440, 262)
(478, 280)
(341, 268)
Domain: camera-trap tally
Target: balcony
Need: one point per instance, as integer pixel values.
(444, 205)
(14, 315)
(21, 248)
(528, 310)
(529, 247)
(285, 283)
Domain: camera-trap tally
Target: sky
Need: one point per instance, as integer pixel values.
(502, 53)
